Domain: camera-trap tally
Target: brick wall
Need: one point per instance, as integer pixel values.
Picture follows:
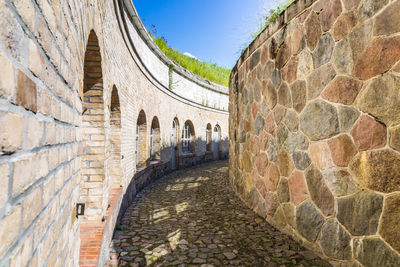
(63, 140)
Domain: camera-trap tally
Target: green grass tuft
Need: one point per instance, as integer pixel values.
(209, 71)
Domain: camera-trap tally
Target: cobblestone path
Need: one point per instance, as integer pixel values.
(193, 218)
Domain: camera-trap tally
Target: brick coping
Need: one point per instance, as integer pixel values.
(92, 232)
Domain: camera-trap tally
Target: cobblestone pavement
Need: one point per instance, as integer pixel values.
(193, 218)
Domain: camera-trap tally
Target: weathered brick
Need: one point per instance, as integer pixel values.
(4, 178)
(7, 80)
(11, 132)
(34, 137)
(32, 206)
(10, 227)
(26, 92)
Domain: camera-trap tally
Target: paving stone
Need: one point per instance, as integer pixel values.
(319, 120)
(360, 213)
(335, 241)
(373, 252)
(212, 228)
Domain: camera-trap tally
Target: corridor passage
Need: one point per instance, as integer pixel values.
(193, 218)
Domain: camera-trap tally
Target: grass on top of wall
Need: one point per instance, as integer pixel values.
(270, 16)
(209, 71)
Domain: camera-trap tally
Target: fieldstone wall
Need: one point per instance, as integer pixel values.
(71, 89)
(315, 127)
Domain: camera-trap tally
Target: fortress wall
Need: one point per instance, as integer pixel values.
(314, 128)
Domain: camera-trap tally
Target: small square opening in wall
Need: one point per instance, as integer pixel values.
(80, 209)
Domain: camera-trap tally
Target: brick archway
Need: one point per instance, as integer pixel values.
(93, 135)
(155, 140)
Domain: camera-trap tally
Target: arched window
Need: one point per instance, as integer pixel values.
(141, 140)
(155, 143)
(187, 138)
(115, 138)
(208, 138)
(174, 143)
(216, 142)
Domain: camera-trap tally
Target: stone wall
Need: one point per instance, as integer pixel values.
(72, 85)
(315, 127)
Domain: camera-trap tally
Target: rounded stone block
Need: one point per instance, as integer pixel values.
(340, 182)
(283, 190)
(343, 150)
(298, 188)
(395, 138)
(299, 90)
(369, 134)
(321, 155)
(319, 191)
(378, 58)
(319, 79)
(381, 99)
(373, 252)
(335, 241)
(378, 170)
(360, 213)
(390, 226)
(323, 51)
(342, 90)
(301, 160)
(309, 220)
(319, 120)
(388, 22)
(313, 30)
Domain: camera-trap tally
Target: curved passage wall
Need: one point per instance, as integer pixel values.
(86, 116)
(315, 127)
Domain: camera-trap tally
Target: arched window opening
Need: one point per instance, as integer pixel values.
(93, 133)
(141, 140)
(216, 142)
(174, 143)
(115, 138)
(155, 142)
(187, 138)
(208, 138)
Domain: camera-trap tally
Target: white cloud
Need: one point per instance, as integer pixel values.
(189, 55)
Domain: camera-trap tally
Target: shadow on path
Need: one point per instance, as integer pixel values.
(193, 217)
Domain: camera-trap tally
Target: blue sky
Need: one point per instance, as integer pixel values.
(211, 30)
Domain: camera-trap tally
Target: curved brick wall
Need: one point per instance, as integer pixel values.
(74, 77)
(315, 127)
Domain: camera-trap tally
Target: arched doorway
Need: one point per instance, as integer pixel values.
(188, 138)
(216, 141)
(155, 140)
(115, 138)
(93, 134)
(208, 138)
(141, 140)
(174, 142)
